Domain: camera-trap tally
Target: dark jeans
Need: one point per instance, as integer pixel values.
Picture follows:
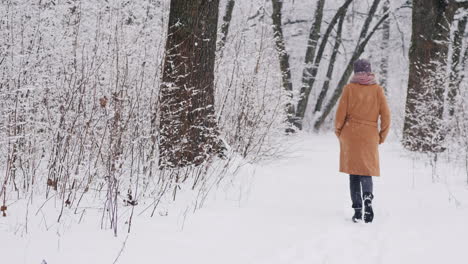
(355, 183)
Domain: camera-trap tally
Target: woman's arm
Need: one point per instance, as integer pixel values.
(384, 112)
(342, 110)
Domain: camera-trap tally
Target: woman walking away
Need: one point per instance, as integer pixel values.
(361, 104)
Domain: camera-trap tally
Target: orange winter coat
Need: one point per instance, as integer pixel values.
(356, 127)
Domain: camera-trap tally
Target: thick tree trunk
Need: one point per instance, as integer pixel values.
(188, 130)
(427, 75)
(311, 67)
(360, 47)
(457, 64)
(283, 57)
(385, 48)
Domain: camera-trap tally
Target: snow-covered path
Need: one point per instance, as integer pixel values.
(297, 211)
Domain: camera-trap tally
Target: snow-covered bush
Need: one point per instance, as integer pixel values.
(79, 84)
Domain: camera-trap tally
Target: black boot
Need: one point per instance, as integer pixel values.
(368, 212)
(357, 215)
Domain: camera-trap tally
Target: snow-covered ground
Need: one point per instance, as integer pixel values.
(297, 210)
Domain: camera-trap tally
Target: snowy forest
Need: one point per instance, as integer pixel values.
(201, 131)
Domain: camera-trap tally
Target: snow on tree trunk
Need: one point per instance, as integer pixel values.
(457, 64)
(385, 48)
(423, 128)
(283, 57)
(312, 44)
(188, 129)
(331, 65)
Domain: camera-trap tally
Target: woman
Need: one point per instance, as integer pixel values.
(361, 103)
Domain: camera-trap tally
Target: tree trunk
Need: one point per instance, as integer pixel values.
(457, 64)
(427, 75)
(385, 48)
(312, 43)
(283, 57)
(463, 67)
(360, 47)
(226, 23)
(311, 67)
(331, 65)
(188, 130)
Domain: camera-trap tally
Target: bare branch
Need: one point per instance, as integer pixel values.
(312, 65)
(357, 53)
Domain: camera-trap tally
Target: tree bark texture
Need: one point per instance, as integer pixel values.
(427, 75)
(457, 64)
(188, 130)
(283, 57)
(385, 48)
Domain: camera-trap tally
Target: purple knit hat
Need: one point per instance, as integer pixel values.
(362, 65)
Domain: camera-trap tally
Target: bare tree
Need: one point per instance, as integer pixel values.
(311, 69)
(312, 44)
(331, 66)
(364, 38)
(285, 69)
(188, 130)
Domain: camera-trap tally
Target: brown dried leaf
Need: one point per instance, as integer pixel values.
(103, 102)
